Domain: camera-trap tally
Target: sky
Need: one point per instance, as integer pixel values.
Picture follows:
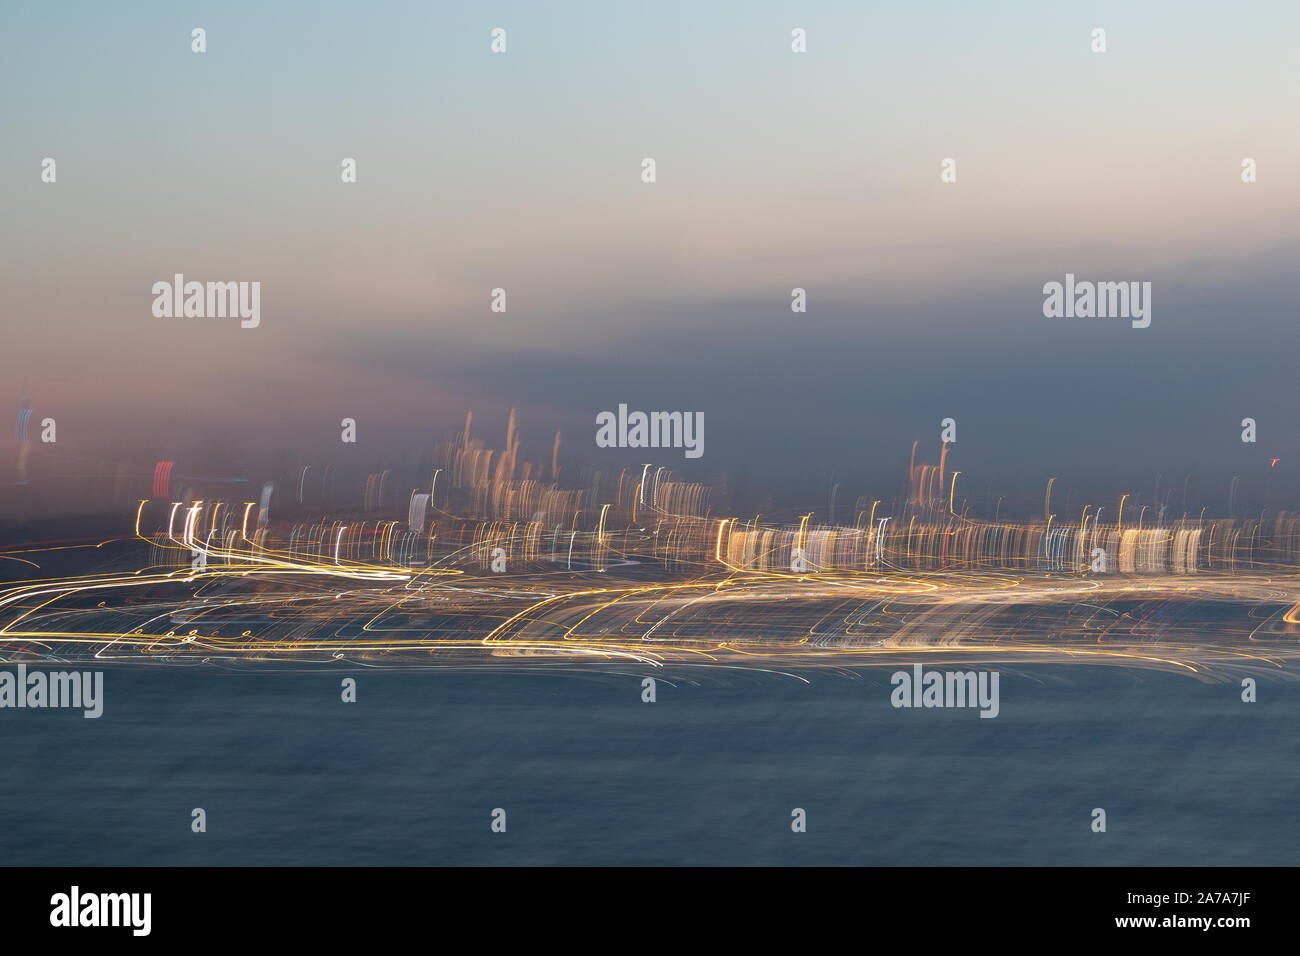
(775, 170)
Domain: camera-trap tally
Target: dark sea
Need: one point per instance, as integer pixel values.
(709, 773)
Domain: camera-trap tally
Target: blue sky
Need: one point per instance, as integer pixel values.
(775, 170)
